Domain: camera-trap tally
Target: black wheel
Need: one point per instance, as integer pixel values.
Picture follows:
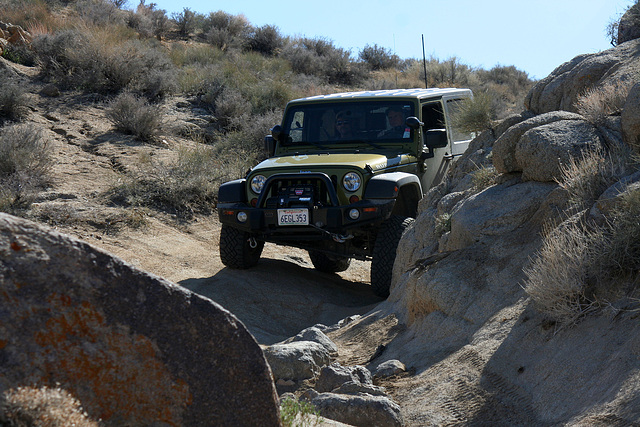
(328, 263)
(236, 249)
(384, 253)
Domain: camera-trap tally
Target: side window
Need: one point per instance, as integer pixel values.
(433, 116)
(296, 126)
(457, 135)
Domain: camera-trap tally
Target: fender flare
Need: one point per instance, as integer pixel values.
(233, 191)
(405, 188)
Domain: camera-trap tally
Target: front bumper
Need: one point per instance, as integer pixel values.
(325, 223)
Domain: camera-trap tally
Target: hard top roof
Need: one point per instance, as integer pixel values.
(394, 93)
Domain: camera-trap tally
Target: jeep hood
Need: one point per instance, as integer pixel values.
(316, 162)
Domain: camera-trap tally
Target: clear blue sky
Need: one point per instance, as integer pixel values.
(536, 36)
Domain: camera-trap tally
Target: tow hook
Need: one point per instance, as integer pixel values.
(336, 237)
(340, 239)
(252, 243)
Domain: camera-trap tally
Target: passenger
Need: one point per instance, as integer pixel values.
(344, 126)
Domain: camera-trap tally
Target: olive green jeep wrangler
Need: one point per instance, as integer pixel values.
(343, 179)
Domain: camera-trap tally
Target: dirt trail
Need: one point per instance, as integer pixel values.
(276, 299)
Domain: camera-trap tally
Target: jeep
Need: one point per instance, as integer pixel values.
(343, 178)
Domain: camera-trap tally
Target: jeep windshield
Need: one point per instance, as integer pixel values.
(380, 124)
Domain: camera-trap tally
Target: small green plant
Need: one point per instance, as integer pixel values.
(134, 116)
(295, 413)
(443, 224)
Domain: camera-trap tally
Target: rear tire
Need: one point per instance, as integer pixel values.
(384, 253)
(328, 263)
(235, 248)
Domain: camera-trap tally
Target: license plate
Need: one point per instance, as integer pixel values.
(293, 216)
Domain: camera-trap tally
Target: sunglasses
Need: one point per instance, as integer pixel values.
(342, 122)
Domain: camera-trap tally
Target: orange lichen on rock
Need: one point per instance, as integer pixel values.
(115, 373)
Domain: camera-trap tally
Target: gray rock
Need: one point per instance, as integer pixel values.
(628, 28)
(296, 361)
(335, 375)
(565, 84)
(389, 368)
(362, 410)
(542, 151)
(314, 334)
(497, 210)
(610, 199)
(504, 149)
(352, 387)
(131, 347)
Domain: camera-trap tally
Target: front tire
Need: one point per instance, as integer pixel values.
(235, 248)
(384, 253)
(328, 263)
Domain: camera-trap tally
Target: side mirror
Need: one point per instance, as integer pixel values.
(269, 145)
(276, 132)
(270, 140)
(413, 122)
(436, 138)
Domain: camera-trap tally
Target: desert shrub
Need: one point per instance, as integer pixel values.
(378, 58)
(231, 109)
(294, 412)
(225, 31)
(134, 116)
(54, 52)
(265, 40)
(103, 61)
(13, 100)
(473, 114)
(150, 21)
(586, 177)
(25, 162)
(185, 186)
(187, 21)
(29, 13)
(596, 104)
(580, 268)
(34, 406)
(556, 278)
(100, 12)
(246, 141)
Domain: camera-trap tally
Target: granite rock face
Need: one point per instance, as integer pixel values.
(133, 348)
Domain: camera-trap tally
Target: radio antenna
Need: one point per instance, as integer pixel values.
(424, 64)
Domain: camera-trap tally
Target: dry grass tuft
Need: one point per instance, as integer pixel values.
(43, 406)
(596, 104)
(585, 178)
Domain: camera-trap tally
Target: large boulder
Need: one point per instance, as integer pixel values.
(133, 348)
(629, 25)
(504, 148)
(560, 89)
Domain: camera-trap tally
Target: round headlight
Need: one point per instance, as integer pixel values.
(351, 181)
(257, 182)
